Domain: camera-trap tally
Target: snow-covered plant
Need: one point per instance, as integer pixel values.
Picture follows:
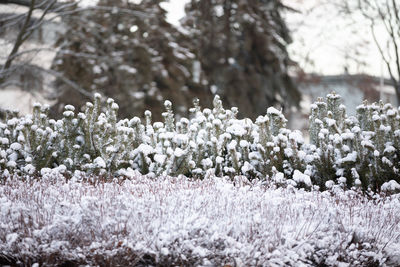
(361, 151)
(212, 141)
(354, 151)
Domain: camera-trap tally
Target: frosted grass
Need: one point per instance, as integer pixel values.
(142, 221)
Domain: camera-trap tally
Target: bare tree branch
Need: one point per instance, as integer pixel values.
(11, 18)
(397, 16)
(27, 29)
(50, 10)
(393, 38)
(40, 4)
(67, 81)
(20, 37)
(386, 19)
(102, 8)
(387, 62)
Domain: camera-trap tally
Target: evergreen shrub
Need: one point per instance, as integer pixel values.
(352, 151)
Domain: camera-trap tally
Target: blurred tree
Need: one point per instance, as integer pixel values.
(241, 48)
(352, 35)
(383, 17)
(134, 59)
(20, 27)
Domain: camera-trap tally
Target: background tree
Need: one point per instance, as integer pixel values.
(134, 59)
(347, 37)
(22, 26)
(241, 48)
(128, 51)
(383, 18)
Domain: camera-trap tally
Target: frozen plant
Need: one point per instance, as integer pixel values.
(361, 151)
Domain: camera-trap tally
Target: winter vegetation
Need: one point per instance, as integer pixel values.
(354, 152)
(127, 50)
(139, 221)
(86, 184)
(209, 190)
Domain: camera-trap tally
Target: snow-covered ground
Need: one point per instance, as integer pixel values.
(208, 222)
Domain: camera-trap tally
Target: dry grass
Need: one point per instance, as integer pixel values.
(176, 221)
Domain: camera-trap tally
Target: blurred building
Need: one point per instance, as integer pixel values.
(353, 89)
(27, 84)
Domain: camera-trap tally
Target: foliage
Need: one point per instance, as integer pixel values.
(241, 51)
(125, 50)
(361, 152)
(133, 55)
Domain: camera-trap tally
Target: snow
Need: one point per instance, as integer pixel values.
(4, 141)
(11, 238)
(214, 89)
(99, 162)
(159, 158)
(219, 10)
(145, 149)
(351, 157)
(29, 169)
(389, 149)
(212, 142)
(128, 68)
(133, 28)
(391, 112)
(347, 136)
(68, 113)
(16, 146)
(236, 129)
(246, 167)
(11, 164)
(244, 143)
(300, 177)
(207, 163)
(219, 160)
(392, 185)
(279, 178)
(213, 220)
(69, 107)
(167, 104)
(330, 122)
(297, 136)
(232, 145)
(386, 161)
(179, 152)
(367, 143)
(196, 71)
(273, 111)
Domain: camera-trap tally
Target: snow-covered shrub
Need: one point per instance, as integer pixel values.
(211, 142)
(360, 151)
(355, 151)
(174, 221)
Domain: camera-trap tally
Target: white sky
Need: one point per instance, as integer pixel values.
(327, 38)
(324, 38)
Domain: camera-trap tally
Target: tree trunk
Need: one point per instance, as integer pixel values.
(397, 89)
